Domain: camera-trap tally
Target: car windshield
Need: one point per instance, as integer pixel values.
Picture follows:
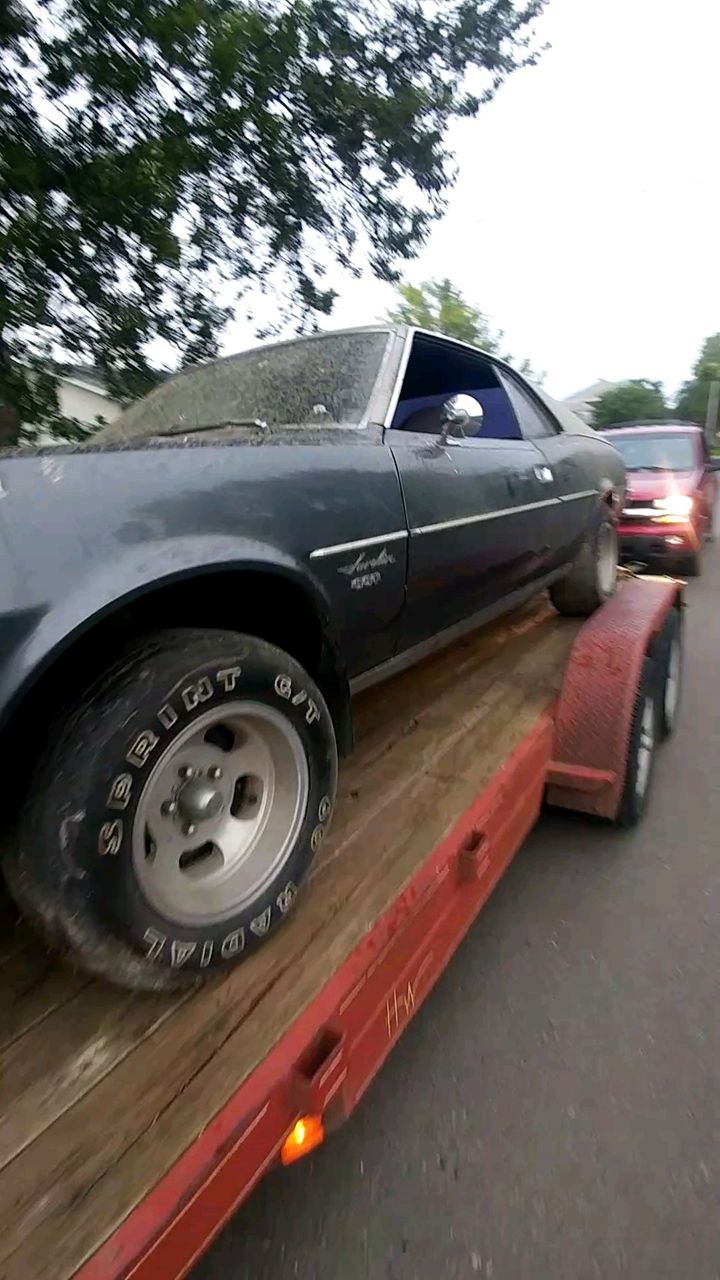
(318, 381)
(661, 452)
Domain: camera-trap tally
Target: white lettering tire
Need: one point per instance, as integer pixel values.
(177, 810)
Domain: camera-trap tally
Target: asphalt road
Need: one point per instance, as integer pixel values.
(553, 1112)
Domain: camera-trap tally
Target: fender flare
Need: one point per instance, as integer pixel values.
(110, 587)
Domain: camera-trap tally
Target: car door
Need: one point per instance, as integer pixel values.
(475, 508)
(570, 470)
(473, 511)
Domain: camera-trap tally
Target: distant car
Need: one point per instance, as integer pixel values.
(188, 601)
(672, 489)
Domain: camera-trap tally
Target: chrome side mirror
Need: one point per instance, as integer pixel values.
(459, 412)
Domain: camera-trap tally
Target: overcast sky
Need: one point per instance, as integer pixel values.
(586, 216)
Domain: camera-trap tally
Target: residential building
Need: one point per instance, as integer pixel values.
(83, 395)
(583, 402)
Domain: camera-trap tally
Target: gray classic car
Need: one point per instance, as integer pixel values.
(188, 601)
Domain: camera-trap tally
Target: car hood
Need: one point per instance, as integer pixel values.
(644, 486)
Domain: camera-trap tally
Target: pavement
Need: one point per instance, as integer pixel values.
(553, 1112)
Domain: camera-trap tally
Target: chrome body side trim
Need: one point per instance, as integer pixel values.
(339, 548)
(575, 497)
(359, 544)
(485, 515)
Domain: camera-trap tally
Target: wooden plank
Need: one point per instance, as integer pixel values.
(60, 1059)
(32, 986)
(428, 743)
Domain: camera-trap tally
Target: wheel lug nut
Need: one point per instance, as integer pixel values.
(215, 772)
(169, 808)
(190, 829)
(186, 771)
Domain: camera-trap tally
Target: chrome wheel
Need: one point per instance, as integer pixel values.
(646, 747)
(672, 684)
(607, 557)
(220, 813)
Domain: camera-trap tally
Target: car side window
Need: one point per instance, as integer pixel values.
(438, 369)
(535, 422)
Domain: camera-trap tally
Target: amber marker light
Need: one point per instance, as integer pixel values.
(306, 1134)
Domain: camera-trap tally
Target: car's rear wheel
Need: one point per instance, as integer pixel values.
(178, 808)
(692, 563)
(593, 577)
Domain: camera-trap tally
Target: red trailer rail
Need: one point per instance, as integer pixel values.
(569, 732)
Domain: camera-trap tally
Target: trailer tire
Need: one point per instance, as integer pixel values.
(667, 651)
(177, 809)
(593, 576)
(644, 733)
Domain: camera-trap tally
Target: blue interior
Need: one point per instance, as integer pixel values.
(499, 421)
(437, 370)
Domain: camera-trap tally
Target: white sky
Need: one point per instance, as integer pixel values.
(586, 216)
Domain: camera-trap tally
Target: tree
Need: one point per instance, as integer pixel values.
(630, 402)
(439, 306)
(692, 402)
(159, 157)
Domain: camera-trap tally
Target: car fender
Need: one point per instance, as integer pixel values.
(106, 588)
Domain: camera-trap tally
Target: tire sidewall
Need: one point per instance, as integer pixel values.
(168, 693)
(579, 592)
(632, 804)
(670, 634)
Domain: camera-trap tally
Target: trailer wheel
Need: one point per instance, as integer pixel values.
(644, 732)
(668, 654)
(177, 809)
(593, 577)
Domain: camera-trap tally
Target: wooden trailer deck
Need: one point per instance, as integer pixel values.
(101, 1091)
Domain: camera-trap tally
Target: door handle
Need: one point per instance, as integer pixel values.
(543, 474)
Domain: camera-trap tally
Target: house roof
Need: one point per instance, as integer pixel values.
(88, 375)
(588, 394)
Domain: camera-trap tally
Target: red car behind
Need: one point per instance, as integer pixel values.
(671, 493)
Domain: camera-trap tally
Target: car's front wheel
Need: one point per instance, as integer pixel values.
(178, 808)
(593, 577)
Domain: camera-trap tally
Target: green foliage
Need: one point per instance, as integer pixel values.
(438, 306)
(159, 156)
(692, 401)
(629, 402)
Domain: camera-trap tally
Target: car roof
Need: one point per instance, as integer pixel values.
(651, 428)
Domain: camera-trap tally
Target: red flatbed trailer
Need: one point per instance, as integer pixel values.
(132, 1126)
